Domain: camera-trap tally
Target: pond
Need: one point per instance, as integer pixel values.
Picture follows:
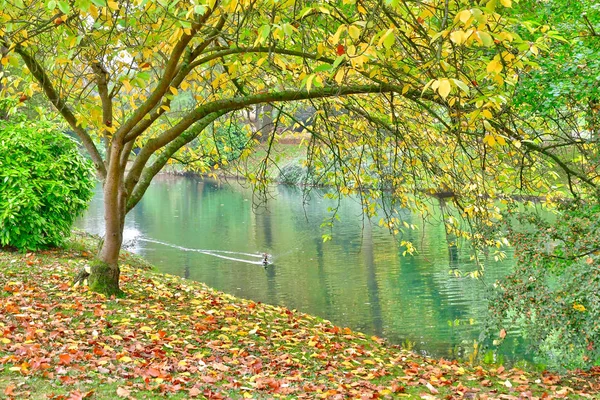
(206, 231)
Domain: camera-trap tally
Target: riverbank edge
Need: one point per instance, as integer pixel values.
(182, 338)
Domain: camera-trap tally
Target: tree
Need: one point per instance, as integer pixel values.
(429, 80)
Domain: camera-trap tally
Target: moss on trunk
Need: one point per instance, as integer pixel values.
(104, 279)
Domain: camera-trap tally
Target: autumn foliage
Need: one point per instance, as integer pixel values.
(172, 337)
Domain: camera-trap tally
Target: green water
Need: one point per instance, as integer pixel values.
(359, 279)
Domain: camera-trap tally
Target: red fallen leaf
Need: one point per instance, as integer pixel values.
(67, 380)
(122, 392)
(75, 395)
(500, 369)
(10, 289)
(162, 334)
(208, 379)
(9, 390)
(220, 367)
(340, 50)
(502, 333)
(200, 327)
(98, 312)
(397, 388)
(64, 359)
(252, 305)
(153, 372)
(193, 392)
(98, 351)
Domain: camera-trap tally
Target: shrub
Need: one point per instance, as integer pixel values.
(44, 184)
(553, 295)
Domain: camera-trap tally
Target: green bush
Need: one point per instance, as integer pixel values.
(553, 295)
(44, 184)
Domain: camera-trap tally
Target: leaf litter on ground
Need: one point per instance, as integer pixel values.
(180, 338)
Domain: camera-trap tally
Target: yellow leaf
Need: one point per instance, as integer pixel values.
(127, 85)
(113, 5)
(5, 340)
(354, 32)
(534, 49)
(4, 61)
(309, 82)
(444, 88)
(494, 66)
(486, 113)
(116, 337)
(338, 33)
(93, 11)
(173, 90)
(506, 3)
(464, 16)
(489, 140)
(339, 76)
(458, 37)
(145, 329)
(125, 359)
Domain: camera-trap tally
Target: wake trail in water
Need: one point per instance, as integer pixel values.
(214, 253)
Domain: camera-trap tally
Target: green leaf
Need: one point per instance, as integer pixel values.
(323, 67)
(64, 7)
(339, 60)
(486, 38)
(463, 86)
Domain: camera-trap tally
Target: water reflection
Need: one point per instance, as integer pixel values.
(359, 279)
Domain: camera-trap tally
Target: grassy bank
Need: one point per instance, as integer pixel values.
(182, 339)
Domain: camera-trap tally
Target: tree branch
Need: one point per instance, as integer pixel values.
(137, 189)
(42, 77)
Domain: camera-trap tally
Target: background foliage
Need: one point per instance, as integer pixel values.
(552, 296)
(44, 184)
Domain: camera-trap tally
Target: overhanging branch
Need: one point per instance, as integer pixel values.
(41, 76)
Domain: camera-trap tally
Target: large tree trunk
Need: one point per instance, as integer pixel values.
(104, 272)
